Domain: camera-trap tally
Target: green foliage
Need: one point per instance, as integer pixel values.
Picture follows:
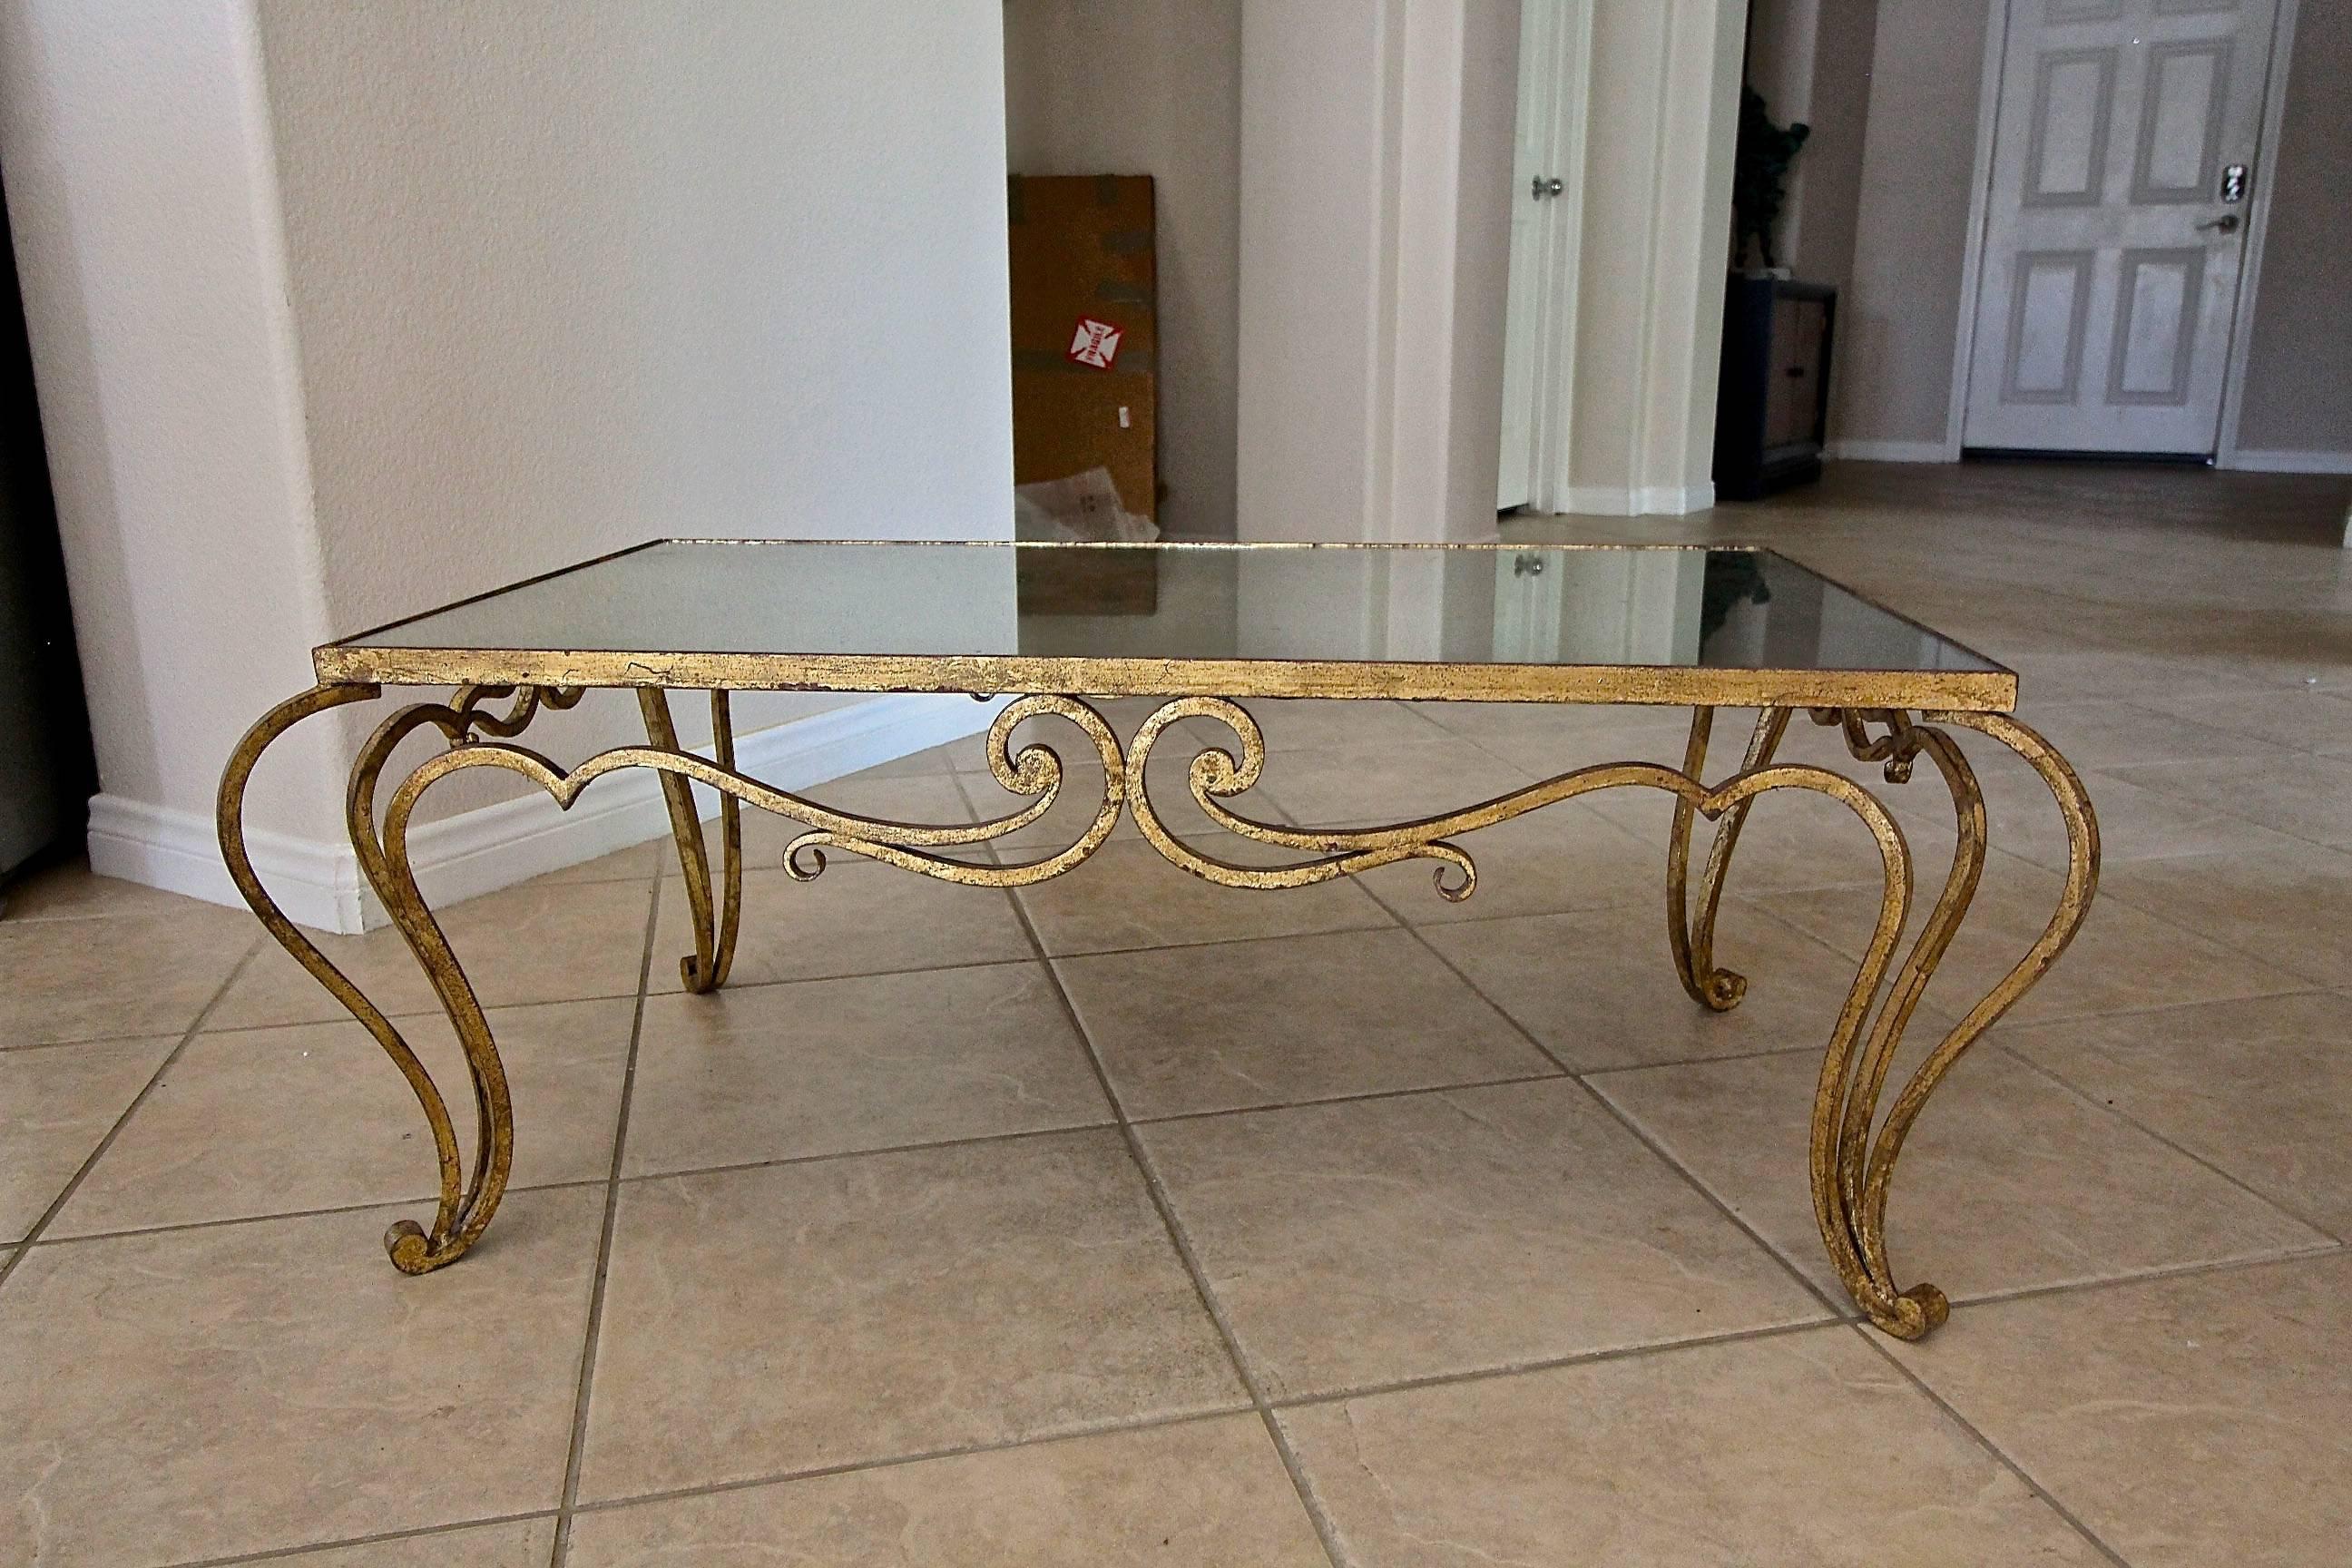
(1759, 177)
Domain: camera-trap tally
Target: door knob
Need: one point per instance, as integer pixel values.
(1527, 566)
(1541, 187)
(2227, 223)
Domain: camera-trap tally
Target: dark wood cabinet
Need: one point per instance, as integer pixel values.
(1772, 410)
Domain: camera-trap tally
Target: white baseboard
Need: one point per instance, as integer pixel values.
(317, 883)
(1652, 501)
(2277, 462)
(1892, 451)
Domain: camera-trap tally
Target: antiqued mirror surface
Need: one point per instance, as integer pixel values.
(1605, 607)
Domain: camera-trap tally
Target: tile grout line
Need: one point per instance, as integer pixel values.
(576, 1450)
(1562, 1362)
(2125, 1117)
(195, 1026)
(419, 1199)
(1157, 1422)
(423, 1532)
(1839, 1311)
(1326, 1532)
(2025, 1478)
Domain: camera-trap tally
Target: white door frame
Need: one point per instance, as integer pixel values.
(2258, 218)
(1554, 328)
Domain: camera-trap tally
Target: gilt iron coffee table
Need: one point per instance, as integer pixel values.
(1200, 629)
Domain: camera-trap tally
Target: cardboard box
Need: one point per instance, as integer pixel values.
(1086, 334)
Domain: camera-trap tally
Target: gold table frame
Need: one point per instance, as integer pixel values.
(1889, 717)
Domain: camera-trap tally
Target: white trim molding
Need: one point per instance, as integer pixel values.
(2227, 454)
(1964, 344)
(1895, 451)
(318, 882)
(1647, 501)
(2259, 461)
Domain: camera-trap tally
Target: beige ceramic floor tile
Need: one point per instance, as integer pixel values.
(826, 1067)
(920, 799)
(1546, 739)
(1128, 896)
(2290, 912)
(2263, 1088)
(1800, 1451)
(2007, 1182)
(854, 918)
(2100, 736)
(537, 942)
(2121, 961)
(1386, 1239)
(1599, 990)
(197, 1394)
(1793, 838)
(148, 974)
(1184, 1030)
(2308, 798)
(56, 1104)
(2307, 721)
(2137, 820)
(72, 890)
(525, 1544)
(1201, 1494)
(2188, 1422)
(796, 1316)
(1342, 785)
(309, 1116)
(635, 863)
(1557, 858)
(1312, 726)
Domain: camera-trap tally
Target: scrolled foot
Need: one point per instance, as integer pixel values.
(1914, 1315)
(1722, 990)
(409, 1250)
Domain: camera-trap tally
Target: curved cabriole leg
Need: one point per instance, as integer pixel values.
(1853, 1168)
(1852, 1223)
(717, 917)
(413, 1250)
(1877, 1174)
(1692, 939)
(467, 1202)
(1852, 1151)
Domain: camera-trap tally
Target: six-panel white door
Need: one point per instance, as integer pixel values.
(2114, 231)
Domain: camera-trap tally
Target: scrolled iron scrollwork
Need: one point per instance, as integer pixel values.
(1854, 1145)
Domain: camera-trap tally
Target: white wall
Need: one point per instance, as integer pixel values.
(340, 309)
(1657, 189)
(1153, 87)
(145, 227)
(1376, 146)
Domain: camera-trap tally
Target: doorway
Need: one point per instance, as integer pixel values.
(1546, 234)
(2125, 151)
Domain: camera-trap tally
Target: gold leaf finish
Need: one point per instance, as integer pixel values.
(1855, 1146)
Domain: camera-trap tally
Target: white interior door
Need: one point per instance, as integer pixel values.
(1532, 201)
(2116, 228)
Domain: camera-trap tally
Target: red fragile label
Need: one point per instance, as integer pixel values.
(1095, 343)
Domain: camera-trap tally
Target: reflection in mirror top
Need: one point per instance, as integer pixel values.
(1598, 606)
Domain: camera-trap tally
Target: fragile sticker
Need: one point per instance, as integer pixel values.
(1095, 343)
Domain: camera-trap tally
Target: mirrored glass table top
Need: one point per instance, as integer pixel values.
(1689, 625)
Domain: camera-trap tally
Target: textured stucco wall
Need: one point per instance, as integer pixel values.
(340, 309)
(144, 219)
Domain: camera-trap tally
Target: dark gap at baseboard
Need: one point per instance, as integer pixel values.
(2117, 460)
